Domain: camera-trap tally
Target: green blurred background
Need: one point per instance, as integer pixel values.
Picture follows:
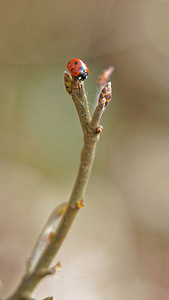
(118, 248)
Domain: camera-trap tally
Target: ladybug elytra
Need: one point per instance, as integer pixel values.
(78, 68)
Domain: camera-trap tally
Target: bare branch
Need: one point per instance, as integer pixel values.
(51, 237)
(104, 99)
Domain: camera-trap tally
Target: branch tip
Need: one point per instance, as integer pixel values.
(106, 93)
(68, 82)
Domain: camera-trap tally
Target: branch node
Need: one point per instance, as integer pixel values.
(50, 271)
(99, 129)
(80, 203)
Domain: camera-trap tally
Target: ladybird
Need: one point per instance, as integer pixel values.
(78, 68)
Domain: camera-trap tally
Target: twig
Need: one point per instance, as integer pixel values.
(91, 136)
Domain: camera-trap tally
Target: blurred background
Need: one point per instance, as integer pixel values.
(118, 247)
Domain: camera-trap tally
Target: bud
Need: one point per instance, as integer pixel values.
(58, 266)
(106, 94)
(80, 203)
(54, 269)
(105, 76)
(68, 83)
(99, 129)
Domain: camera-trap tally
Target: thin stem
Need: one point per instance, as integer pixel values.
(99, 110)
(30, 280)
(80, 100)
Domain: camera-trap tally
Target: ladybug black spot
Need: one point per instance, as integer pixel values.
(68, 62)
(76, 63)
(72, 69)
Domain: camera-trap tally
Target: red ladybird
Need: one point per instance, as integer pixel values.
(78, 68)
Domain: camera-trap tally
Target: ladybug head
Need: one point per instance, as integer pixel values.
(82, 76)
